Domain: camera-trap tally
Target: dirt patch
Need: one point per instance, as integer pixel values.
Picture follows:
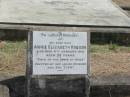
(110, 63)
(13, 59)
(102, 64)
(107, 61)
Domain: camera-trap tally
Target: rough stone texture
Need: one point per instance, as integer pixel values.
(59, 87)
(18, 90)
(64, 12)
(110, 91)
(4, 91)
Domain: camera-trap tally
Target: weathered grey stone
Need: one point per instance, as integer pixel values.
(59, 86)
(67, 12)
(17, 90)
(110, 91)
(4, 91)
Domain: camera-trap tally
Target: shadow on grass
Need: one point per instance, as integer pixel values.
(17, 89)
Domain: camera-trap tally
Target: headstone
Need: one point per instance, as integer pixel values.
(58, 64)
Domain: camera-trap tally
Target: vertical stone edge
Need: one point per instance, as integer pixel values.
(29, 63)
(87, 77)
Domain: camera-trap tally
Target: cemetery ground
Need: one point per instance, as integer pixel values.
(108, 61)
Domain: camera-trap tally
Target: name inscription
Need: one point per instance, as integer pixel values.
(59, 53)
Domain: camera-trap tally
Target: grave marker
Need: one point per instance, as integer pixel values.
(58, 53)
(58, 61)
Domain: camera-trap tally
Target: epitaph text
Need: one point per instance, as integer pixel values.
(59, 53)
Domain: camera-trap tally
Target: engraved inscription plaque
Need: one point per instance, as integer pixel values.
(58, 53)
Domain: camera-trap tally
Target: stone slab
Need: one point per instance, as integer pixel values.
(59, 86)
(65, 12)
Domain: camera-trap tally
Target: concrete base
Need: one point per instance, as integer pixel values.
(59, 86)
(17, 88)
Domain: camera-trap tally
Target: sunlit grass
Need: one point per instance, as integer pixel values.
(12, 54)
(108, 48)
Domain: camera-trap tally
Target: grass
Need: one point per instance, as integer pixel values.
(109, 48)
(14, 48)
(11, 50)
(11, 47)
(13, 55)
